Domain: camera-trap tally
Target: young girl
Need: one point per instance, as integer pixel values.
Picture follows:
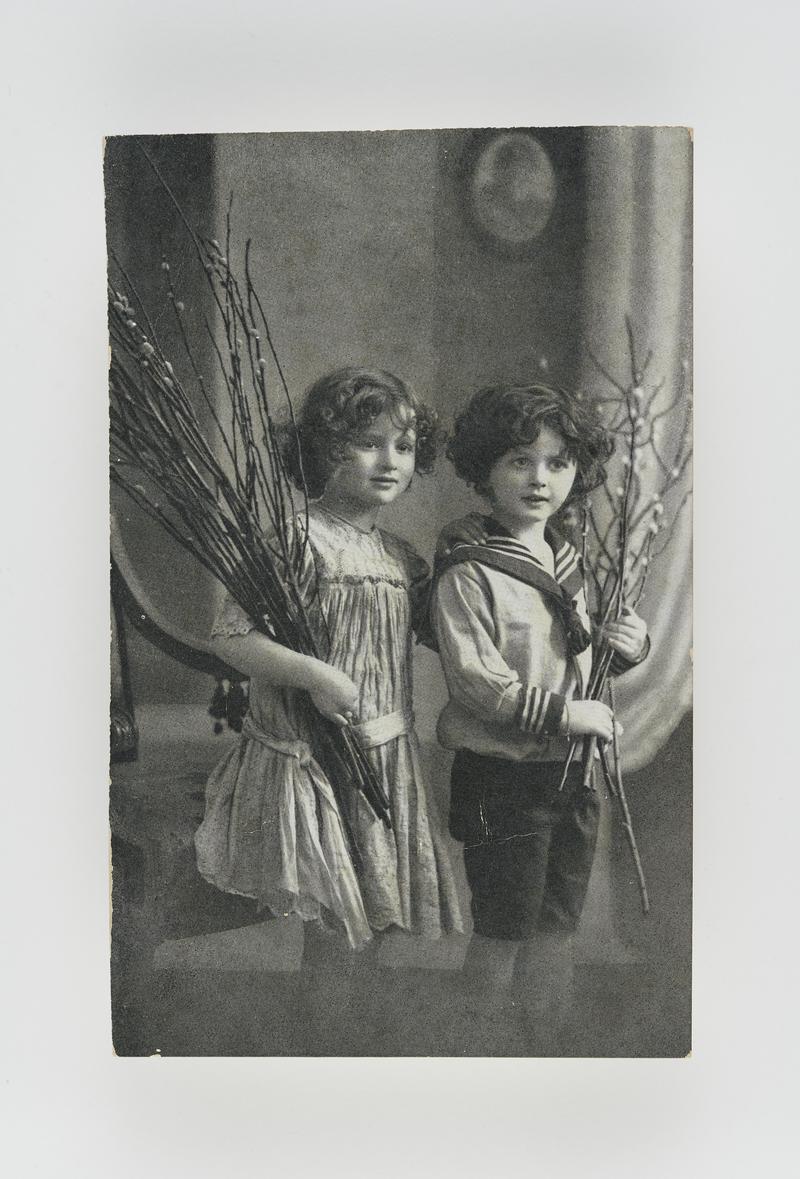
(271, 828)
(514, 638)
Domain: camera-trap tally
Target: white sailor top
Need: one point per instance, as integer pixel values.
(514, 644)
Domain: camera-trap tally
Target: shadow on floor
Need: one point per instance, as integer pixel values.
(626, 1011)
(165, 1002)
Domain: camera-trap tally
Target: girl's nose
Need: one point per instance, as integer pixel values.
(538, 477)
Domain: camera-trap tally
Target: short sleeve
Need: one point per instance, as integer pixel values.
(620, 663)
(231, 620)
(416, 569)
(419, 590)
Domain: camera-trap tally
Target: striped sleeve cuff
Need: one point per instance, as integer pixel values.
(540, 712)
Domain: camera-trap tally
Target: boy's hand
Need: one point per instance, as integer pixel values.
(628, 635)
(335, 695)
(468, 530)
(590, 718)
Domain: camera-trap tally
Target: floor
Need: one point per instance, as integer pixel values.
(196, 973)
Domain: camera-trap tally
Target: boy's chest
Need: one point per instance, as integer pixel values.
(523, 619)
(530, 635)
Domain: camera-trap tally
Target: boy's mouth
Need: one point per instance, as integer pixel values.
(385, 481)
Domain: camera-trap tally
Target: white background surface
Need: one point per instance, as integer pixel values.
(68, 75)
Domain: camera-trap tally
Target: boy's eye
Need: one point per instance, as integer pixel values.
(520, 462)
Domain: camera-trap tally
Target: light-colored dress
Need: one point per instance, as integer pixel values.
(271, 828)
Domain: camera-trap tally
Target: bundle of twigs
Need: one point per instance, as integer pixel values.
(233, 508)
(620, 531)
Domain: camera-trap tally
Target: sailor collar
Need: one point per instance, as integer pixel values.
(504, 552)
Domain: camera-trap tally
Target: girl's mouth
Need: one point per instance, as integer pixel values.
(535, 500)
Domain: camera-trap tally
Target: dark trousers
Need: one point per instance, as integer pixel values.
(528, 847)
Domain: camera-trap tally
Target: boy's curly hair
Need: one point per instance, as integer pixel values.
(502, 417)
(337, 408)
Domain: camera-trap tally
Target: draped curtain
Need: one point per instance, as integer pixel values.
(638, 262)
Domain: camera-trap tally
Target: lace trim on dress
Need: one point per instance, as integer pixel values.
(360, 578)
(231, 620)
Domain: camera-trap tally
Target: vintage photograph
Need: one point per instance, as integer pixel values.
(401, 478)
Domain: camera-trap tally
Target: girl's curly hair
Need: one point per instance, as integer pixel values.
(502, 417)
(337, 408)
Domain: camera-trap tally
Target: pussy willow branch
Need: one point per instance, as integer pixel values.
(197, 529)
(618, 791)
(619, 557)
(214, 515)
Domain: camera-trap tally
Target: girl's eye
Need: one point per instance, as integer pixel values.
(406, 448)
(520, 462)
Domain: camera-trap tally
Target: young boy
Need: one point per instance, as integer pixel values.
(514, 638)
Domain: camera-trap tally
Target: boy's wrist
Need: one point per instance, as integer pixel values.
(622, 663)
(643, 650)
(540, 712)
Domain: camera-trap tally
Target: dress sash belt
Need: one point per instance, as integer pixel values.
(382, 729)
(300, 750)
(370, 734)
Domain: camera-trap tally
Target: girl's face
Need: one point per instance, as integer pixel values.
(527, 485)
(379, 465)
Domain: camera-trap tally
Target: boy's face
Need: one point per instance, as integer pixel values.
(527, 485)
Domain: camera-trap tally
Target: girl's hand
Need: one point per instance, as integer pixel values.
(334, 695)
(628, 635)
(590, 718)
(468, 530)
